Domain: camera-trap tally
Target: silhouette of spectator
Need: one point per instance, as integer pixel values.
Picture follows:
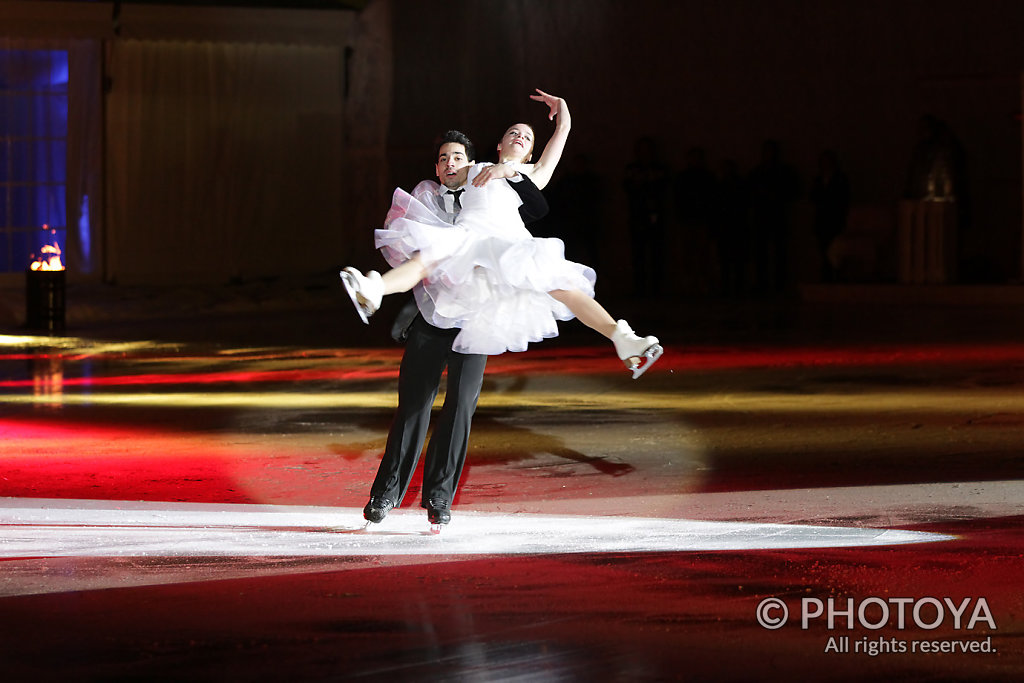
(731, 230)
(646, 185)
(773, 187)
(695, 188)
(830, 196)
(938, 172)
(937, 164)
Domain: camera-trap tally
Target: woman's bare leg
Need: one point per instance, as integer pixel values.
(366, 291)
(638, 353)
(404, 277)
(587, 310)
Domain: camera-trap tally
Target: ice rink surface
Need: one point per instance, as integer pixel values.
(174, 507)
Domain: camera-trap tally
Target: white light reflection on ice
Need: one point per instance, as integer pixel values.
(34, 528)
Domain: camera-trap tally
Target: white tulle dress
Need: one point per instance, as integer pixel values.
(488, 275)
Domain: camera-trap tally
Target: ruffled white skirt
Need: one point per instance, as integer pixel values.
(488, 275)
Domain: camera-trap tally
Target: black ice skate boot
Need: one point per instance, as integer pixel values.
(377, 509)
(438, 514)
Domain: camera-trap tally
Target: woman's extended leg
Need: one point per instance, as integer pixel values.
(366, 291)
(587, 310)
(632, 349)
(404, 277)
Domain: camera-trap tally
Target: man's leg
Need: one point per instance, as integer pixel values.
(426, 353)
(446, 453)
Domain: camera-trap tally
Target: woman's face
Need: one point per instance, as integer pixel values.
(516, 144)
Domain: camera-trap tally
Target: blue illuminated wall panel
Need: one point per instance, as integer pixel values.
(33, 153)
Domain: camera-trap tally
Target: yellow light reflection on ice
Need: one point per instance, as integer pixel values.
(933, 401)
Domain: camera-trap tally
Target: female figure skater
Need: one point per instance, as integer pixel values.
(487, 274)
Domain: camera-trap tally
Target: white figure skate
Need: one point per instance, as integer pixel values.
(638, 353)
(366, 291)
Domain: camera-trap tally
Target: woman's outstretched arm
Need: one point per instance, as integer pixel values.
(543, 169)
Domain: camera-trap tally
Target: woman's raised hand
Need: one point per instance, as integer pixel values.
(541, 171)
(555, 104)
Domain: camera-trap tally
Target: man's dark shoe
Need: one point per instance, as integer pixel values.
(437, 511)
(377, 509)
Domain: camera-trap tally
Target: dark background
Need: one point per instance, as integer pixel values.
(844, 75)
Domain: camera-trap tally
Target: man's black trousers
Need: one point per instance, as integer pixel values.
(428, 351)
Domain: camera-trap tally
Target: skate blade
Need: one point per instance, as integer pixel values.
(436, 529)
(353, 293)
(650, 357)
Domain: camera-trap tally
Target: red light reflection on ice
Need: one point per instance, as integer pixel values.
(376, 364)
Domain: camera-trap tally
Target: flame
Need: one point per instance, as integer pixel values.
(50, 255)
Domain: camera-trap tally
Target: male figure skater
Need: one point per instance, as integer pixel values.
(428, 351)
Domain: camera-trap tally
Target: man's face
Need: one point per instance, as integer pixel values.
(452, 164)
